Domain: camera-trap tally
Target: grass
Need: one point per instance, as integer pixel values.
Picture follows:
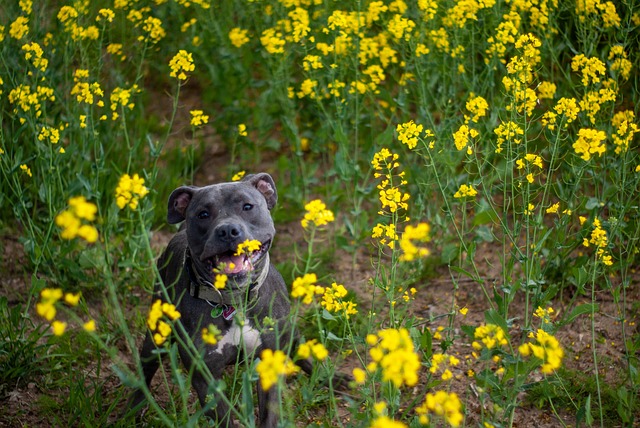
(478, 159)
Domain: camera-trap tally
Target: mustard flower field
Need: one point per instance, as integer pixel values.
(458, 220)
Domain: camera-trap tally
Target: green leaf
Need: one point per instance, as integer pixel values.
(485, 217)
(585, 308)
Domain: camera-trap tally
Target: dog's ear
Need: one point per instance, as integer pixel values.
(265, 185)
(178, 203)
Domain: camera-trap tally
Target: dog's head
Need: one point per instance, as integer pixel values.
(221, 217)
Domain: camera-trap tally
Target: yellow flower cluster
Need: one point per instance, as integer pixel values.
(29, 101)
(238, 37)
(210, 334)
(121, 97)
(386, 234)
(567, 108)
(272, 365)
(248, 247)
(589, 142)
(198, 118)
(75, 220)
(33, 53)
(130, 190)
(507, 131)
(442, 362)
(411, 236)
(50, 133)
(625, 129)
(68, 17)
(313, 347)
(463, 138)
(180, 64)
(332, 300)
(590, 10)
(529, 159)
(408, 133)
(590, 68)
(161, 329)
(46, 308)
(544, 314)
(393, 352)
(477, 106)
(316, 214)
(465, 191)
(600, 240)
(238, 176)
(489, 336)
(592, 101)
(619, 61)
(85, 92)
(306, 287)
(546, 348)
(444, 404)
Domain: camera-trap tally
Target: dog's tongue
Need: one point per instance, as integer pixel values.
(233, 264)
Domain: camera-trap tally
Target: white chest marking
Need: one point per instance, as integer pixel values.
(246, 338)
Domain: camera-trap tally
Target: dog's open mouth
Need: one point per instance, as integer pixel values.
(238, 262)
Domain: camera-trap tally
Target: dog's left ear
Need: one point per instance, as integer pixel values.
(265, 185)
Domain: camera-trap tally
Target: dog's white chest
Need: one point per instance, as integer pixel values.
(243, 336)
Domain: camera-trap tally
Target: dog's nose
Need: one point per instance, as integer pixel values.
(229, 233)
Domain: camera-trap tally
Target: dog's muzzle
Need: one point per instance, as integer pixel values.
(245, 275)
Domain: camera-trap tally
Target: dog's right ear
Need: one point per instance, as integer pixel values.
(178, 203)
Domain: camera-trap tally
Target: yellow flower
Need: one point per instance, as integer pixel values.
(272, 365)
(238, 176)
(465, 190)
(19, 28)
(590, 141)
(477, 106)
(332, 300)
(129, 191)
(444, 404)
(198, 118)
(248, 247)
(591, 68)
(411, 236)
(490, 336)
(316, 213)
(58, 327)
(463, 137)
(464, 311)
(210, 334)
(359, 375)
(89, 326)
(180, 64)
(306, 288)
(221, 281)
(553, 209)
(408, 133)
(238, 37)
(386, 422)
(545, 348)
(73, 220)
(394, 354)
(72, 299)
(242, 130)
(313, 347)
(26, 170)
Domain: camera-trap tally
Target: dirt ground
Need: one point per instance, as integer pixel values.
(21, 404)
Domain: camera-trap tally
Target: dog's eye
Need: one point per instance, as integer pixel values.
(247, 207)
(203, 215)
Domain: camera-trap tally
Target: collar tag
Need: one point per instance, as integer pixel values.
(216, 311)
(228, 312)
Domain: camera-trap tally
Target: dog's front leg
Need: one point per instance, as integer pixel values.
(268, 406)
(221, 412)
(150, 363)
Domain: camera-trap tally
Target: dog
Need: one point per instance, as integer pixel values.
(251, 311)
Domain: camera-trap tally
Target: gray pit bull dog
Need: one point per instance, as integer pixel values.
(218, 218)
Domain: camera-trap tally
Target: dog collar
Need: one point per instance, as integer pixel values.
(201, 288)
